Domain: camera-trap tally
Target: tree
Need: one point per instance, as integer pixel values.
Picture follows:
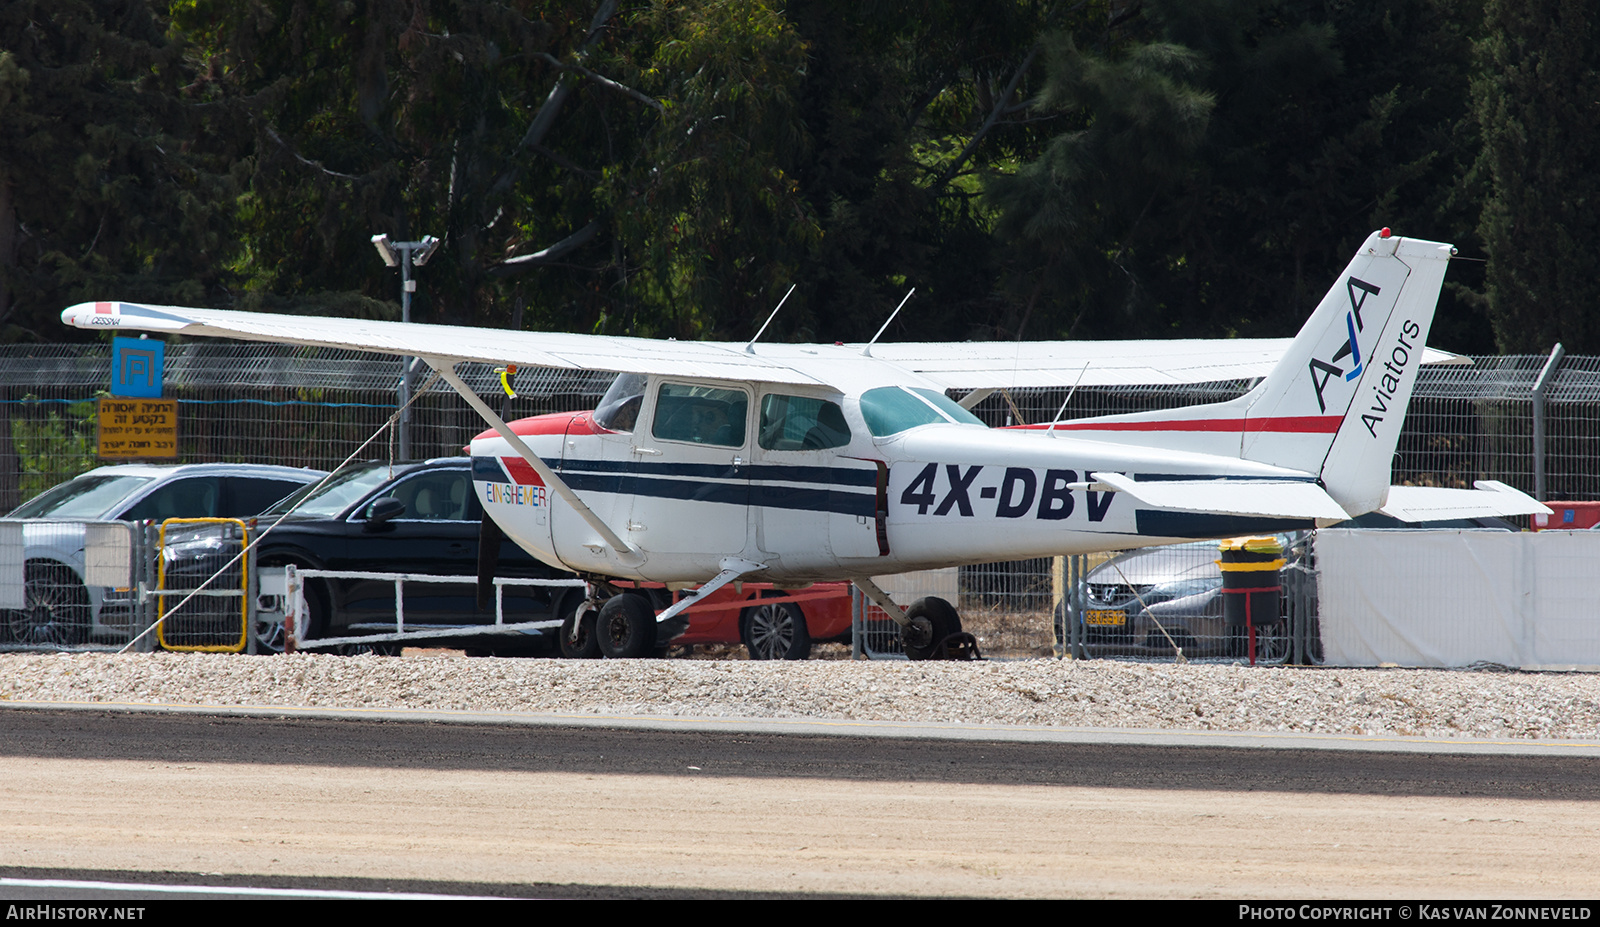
(101, 193)
(634, 159)
(1327, 120)
(1536, 102)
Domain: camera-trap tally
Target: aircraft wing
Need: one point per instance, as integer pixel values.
(961, 365)
(1428, 503)
(493, 346)
(1016, 364)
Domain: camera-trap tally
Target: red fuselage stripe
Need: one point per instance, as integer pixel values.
(1292, 424)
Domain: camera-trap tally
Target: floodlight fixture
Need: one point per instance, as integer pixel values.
(424, 250)
(381, 242)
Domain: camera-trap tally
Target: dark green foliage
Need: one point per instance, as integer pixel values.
(1538, 102)
(101, 191)
(1228, 156)
(1095, 169)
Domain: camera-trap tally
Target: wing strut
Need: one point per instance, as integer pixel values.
(881, 599)
(447, 370)
(732, 569)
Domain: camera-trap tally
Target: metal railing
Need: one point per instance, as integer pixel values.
(296, 619)
(213, 601)
(74, 584)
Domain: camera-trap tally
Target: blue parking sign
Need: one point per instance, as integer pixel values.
(136, 367)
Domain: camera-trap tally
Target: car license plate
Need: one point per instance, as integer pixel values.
(1106, 618)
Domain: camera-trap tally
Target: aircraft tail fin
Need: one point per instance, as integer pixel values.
(1335, 403)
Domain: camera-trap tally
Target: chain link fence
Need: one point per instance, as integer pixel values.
(250, 403)
(310, 406)
(1465, 423)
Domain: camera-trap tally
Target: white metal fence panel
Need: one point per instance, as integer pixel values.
(108, 554)
(1445, 598)
(12, 594)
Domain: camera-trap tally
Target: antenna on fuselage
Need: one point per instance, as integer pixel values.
(867, 351)
(751, 347)
(1051, 431)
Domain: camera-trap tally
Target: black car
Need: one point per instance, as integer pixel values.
(419, 518)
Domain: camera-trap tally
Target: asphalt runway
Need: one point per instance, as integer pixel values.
(560, 809)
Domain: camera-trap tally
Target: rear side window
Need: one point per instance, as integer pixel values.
(248, 495)
(798, 423)
(700, 414)
(196, 497)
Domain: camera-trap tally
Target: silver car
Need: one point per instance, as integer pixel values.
(1149, 602)
(60, 609)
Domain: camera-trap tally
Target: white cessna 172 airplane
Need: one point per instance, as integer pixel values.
(713, 462)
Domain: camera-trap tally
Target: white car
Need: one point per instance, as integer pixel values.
(60, 609)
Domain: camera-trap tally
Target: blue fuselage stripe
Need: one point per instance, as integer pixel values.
(720, 483)
(831, 476)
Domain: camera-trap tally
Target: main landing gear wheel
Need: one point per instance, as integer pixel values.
(584, 645)
(626, 627)
(931, 622)
(776, 631)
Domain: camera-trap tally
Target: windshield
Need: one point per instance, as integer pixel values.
(337, 494)
(87, 496)
(891, 409)
(619, 408)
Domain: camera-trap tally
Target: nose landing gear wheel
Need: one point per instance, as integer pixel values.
(583, 645)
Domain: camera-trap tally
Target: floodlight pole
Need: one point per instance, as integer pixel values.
(404, 254)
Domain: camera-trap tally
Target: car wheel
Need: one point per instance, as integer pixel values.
(56, 612)
(775, 631)
(269, 633)
(380, 649)
(584, 645)
(931, 620)
(625, 627)
(1273, 643)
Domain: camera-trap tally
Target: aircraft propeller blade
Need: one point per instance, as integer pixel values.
(489, 538)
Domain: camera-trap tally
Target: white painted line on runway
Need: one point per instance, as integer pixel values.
(235, 891)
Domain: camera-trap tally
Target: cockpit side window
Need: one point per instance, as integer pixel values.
(700, 414)
(798, 423)
(619, 408)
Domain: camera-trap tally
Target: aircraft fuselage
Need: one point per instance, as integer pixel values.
(933, 495)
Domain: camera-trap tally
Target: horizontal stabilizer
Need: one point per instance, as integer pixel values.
(1428, 503)
(1263, 497)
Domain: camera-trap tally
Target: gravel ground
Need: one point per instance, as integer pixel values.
(1099, 693)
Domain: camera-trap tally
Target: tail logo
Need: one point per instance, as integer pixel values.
(1323, 371)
